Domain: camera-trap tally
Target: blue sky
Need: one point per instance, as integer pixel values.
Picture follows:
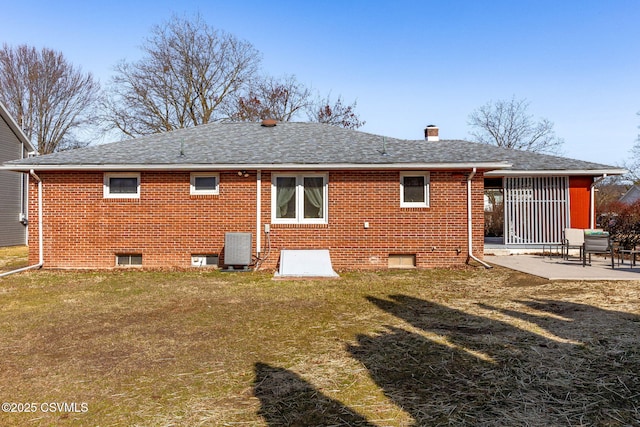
(407, 63)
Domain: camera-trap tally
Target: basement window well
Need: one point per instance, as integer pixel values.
(129, 260)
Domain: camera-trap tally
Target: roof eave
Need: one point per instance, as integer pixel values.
(283, 166)
(564, 172)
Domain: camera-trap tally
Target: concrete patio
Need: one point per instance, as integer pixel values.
(557, 268)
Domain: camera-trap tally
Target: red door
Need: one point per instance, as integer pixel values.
(580, 201)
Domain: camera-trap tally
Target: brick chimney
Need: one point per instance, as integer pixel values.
(431, 133)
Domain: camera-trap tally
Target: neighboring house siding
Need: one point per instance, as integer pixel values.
(631, 196)
(12, 232)
(166, 224)
(580, 201)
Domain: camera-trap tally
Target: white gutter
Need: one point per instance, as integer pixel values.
(256, 166)
(40, 234)
(258, 209)
(592, 205)
(470, 222)
(550, 172)
(23, 203)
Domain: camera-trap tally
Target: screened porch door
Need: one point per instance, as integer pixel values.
(536, 209)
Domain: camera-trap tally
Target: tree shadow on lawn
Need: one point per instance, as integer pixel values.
(466, 369)
(569, 364)
(288, 400)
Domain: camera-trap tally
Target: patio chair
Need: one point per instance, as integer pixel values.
(596, 242)
(573, 239)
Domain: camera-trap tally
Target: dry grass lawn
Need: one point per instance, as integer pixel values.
(441, 347)
(13, 257)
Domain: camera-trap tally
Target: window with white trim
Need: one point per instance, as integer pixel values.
(122, 185)
(414, 189)
(205, 183)
(204, 260)
(129, 260)
(299, 198)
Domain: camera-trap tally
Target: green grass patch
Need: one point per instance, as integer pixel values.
(462, 347)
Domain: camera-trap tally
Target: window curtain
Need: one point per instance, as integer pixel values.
(313, 193)
(286, 189)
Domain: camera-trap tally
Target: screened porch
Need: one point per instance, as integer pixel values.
(525, 213)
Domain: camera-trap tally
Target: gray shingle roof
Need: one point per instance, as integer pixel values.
(293, 144)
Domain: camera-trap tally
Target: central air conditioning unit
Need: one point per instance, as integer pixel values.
(237, 251)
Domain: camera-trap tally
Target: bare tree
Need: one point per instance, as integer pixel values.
(285, 99)
(609, 191)
(271, 98)
(632, 164)
(51, 100)
(189, 75)
(192, 74)
(336, 113)
(507, 124)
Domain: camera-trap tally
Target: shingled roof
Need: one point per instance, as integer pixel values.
(296, 145)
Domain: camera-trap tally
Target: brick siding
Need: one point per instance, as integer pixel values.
(82, 229)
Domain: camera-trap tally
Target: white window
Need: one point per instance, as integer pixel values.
(129, 260)
(122, 185)
(204, 260)
(414, 189)
(205, 183)
(299, 199)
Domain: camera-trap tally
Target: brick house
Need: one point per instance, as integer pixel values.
(169, 200)
(14, 144)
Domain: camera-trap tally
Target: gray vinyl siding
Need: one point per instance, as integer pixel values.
(12, 232)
